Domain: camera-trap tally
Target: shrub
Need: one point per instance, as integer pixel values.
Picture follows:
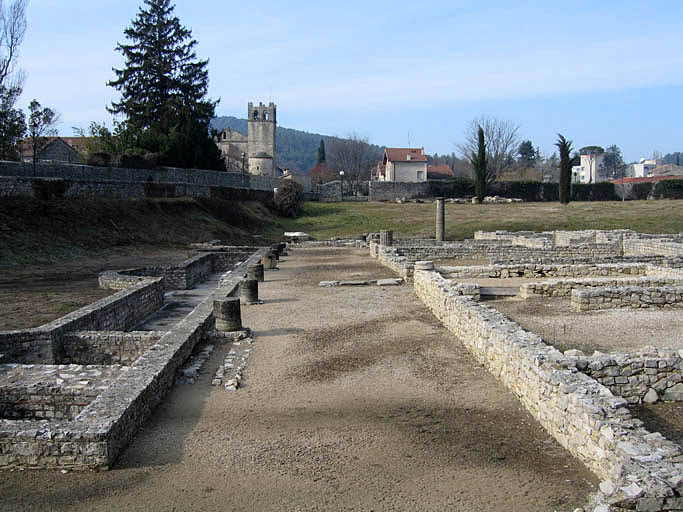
(100, 159)
(641, 190)
(289, 198)
(455, 187)
(669, 189)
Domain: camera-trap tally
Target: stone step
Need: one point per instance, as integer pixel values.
(499, 291)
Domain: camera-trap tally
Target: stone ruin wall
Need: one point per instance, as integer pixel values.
(640, 470)
(86, 426)
(652, 294)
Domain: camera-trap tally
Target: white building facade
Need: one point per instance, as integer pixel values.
(407, 165)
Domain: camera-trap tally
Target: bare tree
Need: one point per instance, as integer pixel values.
(12, 30)
(41, 124)
(502, 143)
(355, 157)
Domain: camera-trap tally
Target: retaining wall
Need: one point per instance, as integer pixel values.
(106, 347)
(530, 270)
(627, 297)
(118, 312)
(641, 470)
(389, 191)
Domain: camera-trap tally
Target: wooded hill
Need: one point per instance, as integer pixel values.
(296, 149)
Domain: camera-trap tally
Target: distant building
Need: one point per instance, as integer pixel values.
(254, 152)
(643, 167)
(587, 170)
(305, 180)
(440, 172)
(56, 149)
(402, 165)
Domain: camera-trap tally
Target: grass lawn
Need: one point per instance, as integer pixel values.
(325, 220)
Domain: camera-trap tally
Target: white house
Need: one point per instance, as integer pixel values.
(643, 168)
(403, 165)
(587, 170)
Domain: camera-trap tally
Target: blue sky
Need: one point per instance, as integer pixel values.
(392, 71)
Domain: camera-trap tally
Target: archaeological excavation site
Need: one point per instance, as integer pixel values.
(511, 371)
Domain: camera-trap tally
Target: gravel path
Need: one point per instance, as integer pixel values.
(356, 398)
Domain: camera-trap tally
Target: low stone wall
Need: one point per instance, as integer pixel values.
(330, 192)
(118, 312)
(641, 470)
(51, 392)
(106, 347)
(164, 175)
(645, 376)
(565, 287)
(627, 297)
(531, 270)
(96, 436)
(389, 191)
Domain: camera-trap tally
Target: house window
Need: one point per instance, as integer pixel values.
(420, 175)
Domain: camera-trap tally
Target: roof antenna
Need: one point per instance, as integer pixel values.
(409, 138)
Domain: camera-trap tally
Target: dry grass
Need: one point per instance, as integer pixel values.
(324, 220)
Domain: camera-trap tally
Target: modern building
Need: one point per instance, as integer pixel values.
(587, 170)
(643, 167)
(56, 149)
(402, 165)
(440, 172)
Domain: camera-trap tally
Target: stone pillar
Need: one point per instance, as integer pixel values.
(440, 219)
(228, 314)
(269, 261)
(249, 291)
(255, 271)
(386, 237)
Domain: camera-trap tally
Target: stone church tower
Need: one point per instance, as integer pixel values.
(261, 139)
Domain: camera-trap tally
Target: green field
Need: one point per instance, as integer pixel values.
(325, 220)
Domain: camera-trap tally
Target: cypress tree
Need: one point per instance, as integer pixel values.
(566, 164)
(163, 89)
(479, 163)
(321, 153)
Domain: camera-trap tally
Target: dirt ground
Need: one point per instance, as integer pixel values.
(356, 398)
(611, 330)
(50, 291)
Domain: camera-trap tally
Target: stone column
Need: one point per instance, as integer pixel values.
(249, 291)
(386, 237)
(228, 314)
(440, 219)
(255, 271)
(269, 260)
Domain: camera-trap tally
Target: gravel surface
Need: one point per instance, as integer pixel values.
(355, 398)
(615, 330)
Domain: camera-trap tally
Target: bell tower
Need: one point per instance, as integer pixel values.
(261, 139)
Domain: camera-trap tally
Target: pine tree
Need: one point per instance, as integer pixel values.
(321, 153)
(566, 164)
(163, 89)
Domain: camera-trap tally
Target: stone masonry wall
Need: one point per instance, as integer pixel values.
(627, 297)
(639, 469)
(531, 270)
(644, 376)
(51, 392)
(106, 347)
(96, 436)
(165, 175)
(389, 191)
(330, 192)
(118, 312)
(566, 287)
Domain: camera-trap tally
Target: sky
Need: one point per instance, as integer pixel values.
(395, 72)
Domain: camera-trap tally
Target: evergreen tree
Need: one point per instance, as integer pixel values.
(12, 124)
(527, 153)
(479, 163)
(321, 153)
(163, 89)
(566, 164)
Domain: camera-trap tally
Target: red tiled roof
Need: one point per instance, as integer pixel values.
(401, 154)
(436, 172)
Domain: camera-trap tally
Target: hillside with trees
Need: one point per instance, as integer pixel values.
(296, 149)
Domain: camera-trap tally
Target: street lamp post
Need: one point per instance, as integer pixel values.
(243, 173)
(341, 175)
